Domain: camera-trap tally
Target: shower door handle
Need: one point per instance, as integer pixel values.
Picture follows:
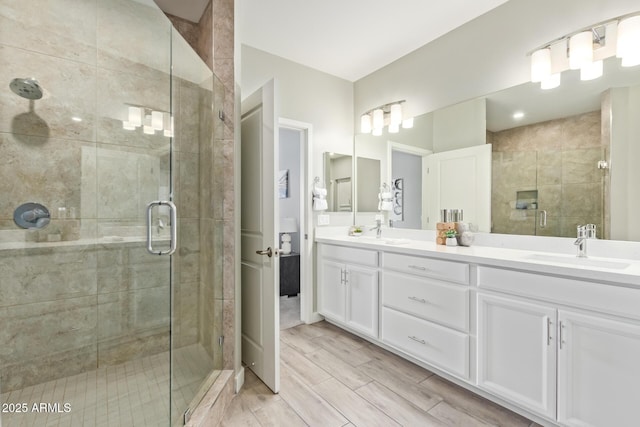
(173, 231)
(543, 219)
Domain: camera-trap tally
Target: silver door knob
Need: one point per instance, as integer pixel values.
(268, 252)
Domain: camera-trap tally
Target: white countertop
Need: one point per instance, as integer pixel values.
(600, 269)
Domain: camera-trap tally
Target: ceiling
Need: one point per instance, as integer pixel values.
(348, 39)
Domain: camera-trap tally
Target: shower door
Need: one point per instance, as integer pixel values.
(95, 329)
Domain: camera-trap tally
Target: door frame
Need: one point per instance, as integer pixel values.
(307, 315)
(416, 151)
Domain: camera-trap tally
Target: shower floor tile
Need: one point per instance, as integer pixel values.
(135, 393)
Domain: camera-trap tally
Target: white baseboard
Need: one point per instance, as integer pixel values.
(239, 379)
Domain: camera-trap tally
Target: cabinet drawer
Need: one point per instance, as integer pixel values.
(349, 255)
(437, 345)
(456, 272)
(427, 298)
(610, 299)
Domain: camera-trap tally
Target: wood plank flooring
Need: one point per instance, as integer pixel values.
(330, 377)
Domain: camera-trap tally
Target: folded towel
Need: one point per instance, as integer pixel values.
(386, 205)
(319, 204)
(320, 192)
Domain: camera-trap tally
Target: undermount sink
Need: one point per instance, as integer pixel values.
(573, 260)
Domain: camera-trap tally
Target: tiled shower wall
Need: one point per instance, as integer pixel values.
(105, 303)
(557, 158)
(213, 39)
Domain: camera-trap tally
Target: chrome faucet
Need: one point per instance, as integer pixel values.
(378, 228)
(585, 232)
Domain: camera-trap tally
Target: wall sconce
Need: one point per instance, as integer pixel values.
(390, 115)
(149, 120)
(585, 50)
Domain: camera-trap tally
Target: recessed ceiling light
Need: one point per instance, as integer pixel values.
(518, 115)
(76, 119)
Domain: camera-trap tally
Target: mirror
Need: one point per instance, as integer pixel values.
(568, 161)
(338, 170)
(367, 184)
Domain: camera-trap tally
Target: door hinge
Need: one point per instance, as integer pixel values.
(220, 340)
(221, 115)
(306, 236)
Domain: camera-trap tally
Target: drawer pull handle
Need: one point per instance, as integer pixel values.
(422, 300)
(418, 267)
(411, 337)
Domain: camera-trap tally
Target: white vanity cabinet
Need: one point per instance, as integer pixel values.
(348, 287)
(563, 338)
(517, 352)
(425, 310)
(598, 371)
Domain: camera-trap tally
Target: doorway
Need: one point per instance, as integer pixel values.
(293, 234)
(407, 185)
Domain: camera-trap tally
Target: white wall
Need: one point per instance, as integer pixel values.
(481, 57)
(290, 159)
(460, 126)
(309, 96)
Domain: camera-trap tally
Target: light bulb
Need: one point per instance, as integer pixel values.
(580, 50)
(628, 45)
(157, 120)
(551, 82)
(407, 123)
(365, 123)
(135, 116)
(540, 65)
(378, 119)
(376, 132)
(395, 118)
(591, 71)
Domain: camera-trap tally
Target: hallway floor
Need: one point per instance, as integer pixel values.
(330, 377)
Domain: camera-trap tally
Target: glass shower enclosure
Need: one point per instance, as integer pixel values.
(107, 314)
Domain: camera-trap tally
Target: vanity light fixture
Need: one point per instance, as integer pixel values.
(374, 120)
(585, 50)
(150, 120)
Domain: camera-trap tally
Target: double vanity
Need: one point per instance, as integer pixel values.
(549, 335)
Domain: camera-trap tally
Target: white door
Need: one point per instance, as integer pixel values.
(598, 371)
(331, 290)
(517, 352)
(362, 299)
(466, 176)
(260, 272)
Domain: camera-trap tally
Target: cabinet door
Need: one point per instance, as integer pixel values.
(598, 371)
(517, 352)
(362, 300)
(331, 290)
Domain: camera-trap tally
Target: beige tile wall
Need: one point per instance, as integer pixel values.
(557, 158)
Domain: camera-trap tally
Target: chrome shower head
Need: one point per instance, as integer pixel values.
(28, 88)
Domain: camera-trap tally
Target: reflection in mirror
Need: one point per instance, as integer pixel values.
(567, 160)
(368, 184)
(337, 172)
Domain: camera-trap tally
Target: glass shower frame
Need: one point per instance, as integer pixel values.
(88, 315)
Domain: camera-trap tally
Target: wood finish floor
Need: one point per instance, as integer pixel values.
(330, 377)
